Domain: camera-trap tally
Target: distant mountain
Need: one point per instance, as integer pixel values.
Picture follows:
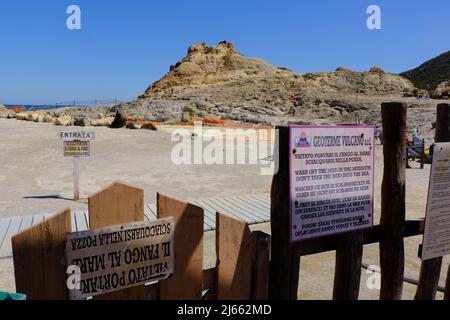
(430, 74)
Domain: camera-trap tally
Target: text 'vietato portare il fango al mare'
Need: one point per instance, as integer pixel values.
(119, 257)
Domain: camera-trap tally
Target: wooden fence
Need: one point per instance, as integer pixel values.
(285, 257)
(240, 271)
(243, 269)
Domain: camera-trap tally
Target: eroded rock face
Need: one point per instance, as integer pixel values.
(442, 91)
(219, 81)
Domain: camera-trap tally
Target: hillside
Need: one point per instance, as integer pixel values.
(221, 82)
(431, 73)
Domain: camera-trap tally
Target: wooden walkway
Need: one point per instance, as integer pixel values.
(252, 209)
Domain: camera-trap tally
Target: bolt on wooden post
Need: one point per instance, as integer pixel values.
(392, 252)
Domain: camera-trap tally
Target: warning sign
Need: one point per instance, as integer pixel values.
(331, 180)
(77, 148)
(119, 257)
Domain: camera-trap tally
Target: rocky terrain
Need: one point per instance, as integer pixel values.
(218, 82)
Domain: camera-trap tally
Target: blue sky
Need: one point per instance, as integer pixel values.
(124, 46)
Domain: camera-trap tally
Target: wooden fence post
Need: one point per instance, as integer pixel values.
(430, 270)
(234, 258)
(115, 205)
(347, 275)
(260, 265)
(39, 258)
(285, 257)
(187, 281)
(392, 255)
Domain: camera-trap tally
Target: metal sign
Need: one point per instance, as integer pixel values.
(119, 257)
(331, 180)
(77, 148)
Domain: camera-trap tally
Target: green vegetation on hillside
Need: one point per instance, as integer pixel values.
(430, 74)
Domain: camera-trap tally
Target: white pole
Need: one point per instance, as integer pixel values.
(76, 178)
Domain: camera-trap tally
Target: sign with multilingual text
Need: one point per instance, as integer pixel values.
(436, 237)
(119, 257)
(331, 180)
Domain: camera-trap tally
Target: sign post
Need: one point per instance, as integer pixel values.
(331, 180)
(76, 144)
(76, 178)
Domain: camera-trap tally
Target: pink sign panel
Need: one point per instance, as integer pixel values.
(331, 180)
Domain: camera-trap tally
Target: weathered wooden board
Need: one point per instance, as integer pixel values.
(119, 204)
(234, 258)
(186, 282)
(39, 267)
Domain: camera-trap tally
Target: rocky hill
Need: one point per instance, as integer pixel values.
(218, 81)
(431, 73)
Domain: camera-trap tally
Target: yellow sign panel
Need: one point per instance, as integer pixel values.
(77, 148)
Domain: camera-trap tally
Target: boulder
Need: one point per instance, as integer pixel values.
(6, 113)
(132, 125)
(81, 121)
(119, 120)
(442, 91)
(48, 119)
(103, 122)
(22, 116)
(149, 126)
(64, 121)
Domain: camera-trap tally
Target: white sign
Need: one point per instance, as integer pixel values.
(76, 135)
(436, 238)
(119, 257)
(331, 180)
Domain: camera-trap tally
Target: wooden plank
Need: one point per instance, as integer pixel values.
(240, 214)
(392, 252)
(255, 202)
(38, 218)
(234, 258)
(4, 226)
(187, 281)
(373, 235)
(14, 228)
(260, 265)
(430, 270)
(210, 214)
(252, 217)
(154, 210)
(115, 205)
(82, 224)
(251, 208)
(147, 213)
(285, 257)
(27, 222)
(38, 255)
(263, 201)
(347, 273)
(208, 210)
